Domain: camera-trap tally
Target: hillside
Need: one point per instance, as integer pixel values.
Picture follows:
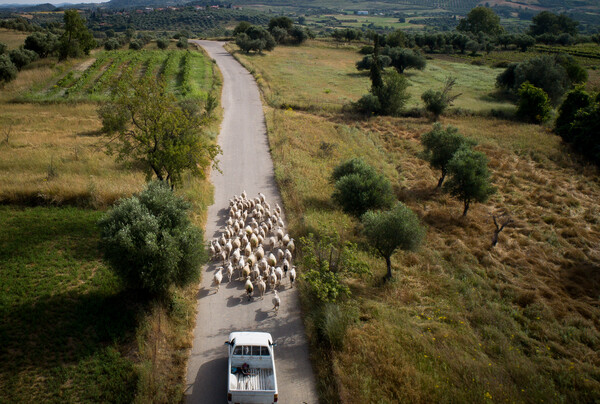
(461, 321)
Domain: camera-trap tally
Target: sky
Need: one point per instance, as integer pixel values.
(50, 1)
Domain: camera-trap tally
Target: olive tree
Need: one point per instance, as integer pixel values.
(358, 188)
(76, 39)
(469, 177)
(440, 145)
(145, 124)
(149, 241)
(386, 231)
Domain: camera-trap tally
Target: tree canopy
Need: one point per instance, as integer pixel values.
(76, 39)
(469, 177)
(441, 145)
(386, 231)
(146, 125)
(481, 19)
(149, 241)
(550, 23)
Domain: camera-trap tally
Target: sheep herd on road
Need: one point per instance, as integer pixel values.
(254, 246)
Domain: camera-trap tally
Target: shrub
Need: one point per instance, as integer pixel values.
(112, 44)
(8, 70)
(436, 102)
(22, 57)
(534, 105)
(135, 45)
(366, 50)
(44, 44)
(3, 48)
(544, 72)
(584, 132)
(353, 166)
(162, 43)
(392, 95)
(182, 43)
(361, 189)
(149, 241)
(574, 101)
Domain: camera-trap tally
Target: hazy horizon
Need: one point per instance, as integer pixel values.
(33, 2)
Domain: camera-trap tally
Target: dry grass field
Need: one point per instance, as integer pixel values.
(461, 321)
(12, 39)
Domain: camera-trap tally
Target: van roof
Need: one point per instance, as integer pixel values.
(251, 338)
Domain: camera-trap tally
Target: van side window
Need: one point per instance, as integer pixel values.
(237, 350)
(264, 351)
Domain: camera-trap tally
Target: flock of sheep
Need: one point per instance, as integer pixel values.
(254, 245)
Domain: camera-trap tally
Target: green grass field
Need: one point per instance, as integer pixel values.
(65, 318)
(324, 75)
(68, 331)
(461, 322)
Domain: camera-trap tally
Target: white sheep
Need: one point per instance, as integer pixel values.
(292, 276)
(279, 274)
(276, 302)
(261, 286)
(272, 280)
(249, 288)
(218, 278)
(229, 271)
(271, 260)
(260, 252)
(285, 240)
(291, 246)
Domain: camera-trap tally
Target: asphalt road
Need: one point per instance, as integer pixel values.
(246, 165)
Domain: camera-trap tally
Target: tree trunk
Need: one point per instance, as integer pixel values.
(441, 181)
(466, 208)
(388, 275)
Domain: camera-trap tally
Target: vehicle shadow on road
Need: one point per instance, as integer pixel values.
(210, 385)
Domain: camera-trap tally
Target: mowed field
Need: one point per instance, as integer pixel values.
(461, 321)
(68, 330)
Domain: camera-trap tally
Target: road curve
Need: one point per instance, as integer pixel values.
(246, 165)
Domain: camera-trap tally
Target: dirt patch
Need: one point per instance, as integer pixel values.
(83, 66)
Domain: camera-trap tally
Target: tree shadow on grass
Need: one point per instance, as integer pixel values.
(582, 281)
(67, 328)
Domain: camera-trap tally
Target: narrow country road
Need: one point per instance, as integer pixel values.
(246, 165)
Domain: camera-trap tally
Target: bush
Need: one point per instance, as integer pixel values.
(182, 43)
(544, 72)
(162, 43)
(534, 105)
(8, 71)
(149, 241)
(22, 57)
(112, 44)
(574, 101)
(436, 102)
(135, 45)
(358, 188)
(584, 132)
(3, 48)
(403, 59)
(44, 44)
(366, 50)
(393, 95)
